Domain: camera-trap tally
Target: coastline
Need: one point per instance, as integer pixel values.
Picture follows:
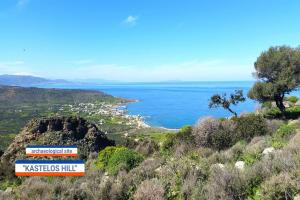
(133, 119)
(140, 120)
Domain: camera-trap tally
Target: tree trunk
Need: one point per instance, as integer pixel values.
(235, 114)
(279, 103)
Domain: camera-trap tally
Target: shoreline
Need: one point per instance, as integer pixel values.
(139, 119)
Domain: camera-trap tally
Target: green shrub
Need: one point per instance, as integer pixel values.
(280, 137)
(150, 189)
(169, 142)
(147, 147)
(280, 186)
(215, 133)
(225, 184)
(125, 159)
(285, 130)
(267, 104)
(224, 137)
(251, 125)
(251, 158)
(185, 133)
(278, 143)
(184, 136)
(114, 159)
(273, 113)
(293, 112)
(104, 156)
(293, 99)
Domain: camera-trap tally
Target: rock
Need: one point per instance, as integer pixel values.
(268, 150)
(58, 131)
(286, 104)
(105, 177)
(158, 170)
(221, 165)
(240, 165)
(297, 103)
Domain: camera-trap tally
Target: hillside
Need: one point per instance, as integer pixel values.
(57, 131)
(248, 157)
(22, 80)
(12, 96)
(18, 105)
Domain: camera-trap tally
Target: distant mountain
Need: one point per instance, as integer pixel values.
(22, 80)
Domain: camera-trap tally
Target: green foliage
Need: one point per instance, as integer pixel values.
(217, 134)
(285, 130)
(114, 159)
(104, 156)
(281, 136)
(293, 112)
(267, 104)
(293, 99)
(278, 73)
(224, 137)
(214, 133)
(251, 158)
(273, 113)
(251, 125)
(278, 143)
(290, 113)
(184, 135)
(169, 142)
(280, 186)
(222, 100)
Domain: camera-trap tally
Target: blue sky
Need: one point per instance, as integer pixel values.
(142, 40)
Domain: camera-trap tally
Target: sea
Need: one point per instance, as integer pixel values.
(174, 104)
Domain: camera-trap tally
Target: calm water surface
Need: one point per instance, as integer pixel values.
(173, 105)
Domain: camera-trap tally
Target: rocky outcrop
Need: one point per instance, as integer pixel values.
(268, 150)
(58, 131)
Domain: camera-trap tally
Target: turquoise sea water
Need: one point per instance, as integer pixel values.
(172, 105)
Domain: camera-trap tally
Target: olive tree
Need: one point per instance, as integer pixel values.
(277, 73)
(218, 100)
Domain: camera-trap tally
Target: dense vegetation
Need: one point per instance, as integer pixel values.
(215, 159)
(278, 74)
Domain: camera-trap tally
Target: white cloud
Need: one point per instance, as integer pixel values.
(10, 63)
(15, 68)
(193, 70)
(130, 20)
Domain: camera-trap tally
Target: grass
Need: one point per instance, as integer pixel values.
(5, 140)
(157, 135)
